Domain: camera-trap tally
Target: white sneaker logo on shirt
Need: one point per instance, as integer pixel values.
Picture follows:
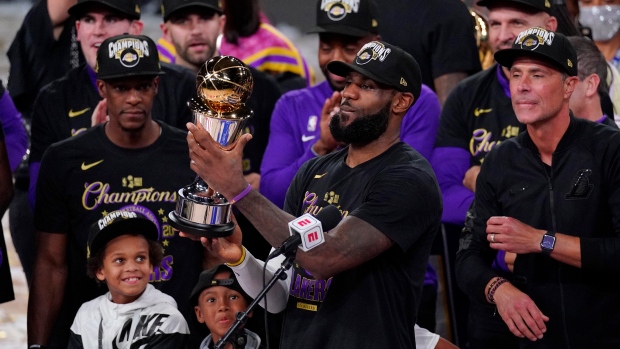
(305, 138)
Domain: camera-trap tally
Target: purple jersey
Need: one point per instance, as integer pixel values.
(295, 127)
(15, 136)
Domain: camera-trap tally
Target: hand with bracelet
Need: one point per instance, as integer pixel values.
(227, 250)
(516, 308)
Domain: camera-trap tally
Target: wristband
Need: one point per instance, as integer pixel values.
(36, 346)
(493, 287)
(240, 259)
(242, 194)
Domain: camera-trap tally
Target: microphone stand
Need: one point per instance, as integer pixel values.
(235, 330)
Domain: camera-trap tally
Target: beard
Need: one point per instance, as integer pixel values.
(363, 130)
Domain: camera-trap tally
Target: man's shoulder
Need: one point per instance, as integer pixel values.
(66, 83)
(172, 133)
(83, 142)
(303, 95)
(480, 79)
(175, 71)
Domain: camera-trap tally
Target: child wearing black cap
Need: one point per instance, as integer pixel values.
(217, 298)
(122, 250)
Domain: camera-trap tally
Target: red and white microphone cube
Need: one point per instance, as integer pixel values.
(310, 230)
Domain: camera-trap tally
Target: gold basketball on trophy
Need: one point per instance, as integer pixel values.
(224, 84)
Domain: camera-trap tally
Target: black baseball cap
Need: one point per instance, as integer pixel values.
(115, 224)
(127, 55)
(206, 280)
(355, 18)
(170, 6)
(540, 5)
(130, 8)
(541, 43)
(384, 63)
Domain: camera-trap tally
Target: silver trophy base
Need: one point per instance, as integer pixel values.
(202, 212)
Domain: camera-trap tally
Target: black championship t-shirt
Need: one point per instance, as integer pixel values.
(64, 108)
(375, 304)
(439, 34)
(477, 116)
(87, 176)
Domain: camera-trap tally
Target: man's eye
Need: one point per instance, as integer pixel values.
(210, 300)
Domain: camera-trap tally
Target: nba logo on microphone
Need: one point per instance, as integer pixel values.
(310, 230)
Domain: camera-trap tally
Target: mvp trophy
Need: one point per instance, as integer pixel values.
(224, 84)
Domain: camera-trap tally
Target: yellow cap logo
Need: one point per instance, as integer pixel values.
(374, 23)
(403, 81)
(137, 9)
(547, 4)
(570, 64)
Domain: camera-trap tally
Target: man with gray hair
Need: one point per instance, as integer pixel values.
(591, 92)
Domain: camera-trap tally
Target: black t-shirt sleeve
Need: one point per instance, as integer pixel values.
(451, 37)
(51, 213)
(402, 204)
(42, 134)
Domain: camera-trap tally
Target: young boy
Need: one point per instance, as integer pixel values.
(217, 298)
(122, 250)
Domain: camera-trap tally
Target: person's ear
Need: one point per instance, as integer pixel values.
(77, 30)
(551, 23)
(199, 315)
(402, 101)
(101, 87)
(99, 275)
(135, 27)
(222, 24)
(569, 86)
(165, 31)
(156, 84)
(592, 83)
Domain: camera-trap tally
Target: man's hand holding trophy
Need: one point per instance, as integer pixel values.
(224, 84)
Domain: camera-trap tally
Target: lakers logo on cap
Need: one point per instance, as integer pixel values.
(403, 81)
(534, 37)
(128, 51)
(338, 9)
(129, 58)
(373, 50)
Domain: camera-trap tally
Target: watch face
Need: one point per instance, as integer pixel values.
(548, 242)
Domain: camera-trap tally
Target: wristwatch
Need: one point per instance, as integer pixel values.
(548, 242)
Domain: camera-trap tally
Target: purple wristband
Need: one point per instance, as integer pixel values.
(242, 194)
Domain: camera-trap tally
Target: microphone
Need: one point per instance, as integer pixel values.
(307, 230)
